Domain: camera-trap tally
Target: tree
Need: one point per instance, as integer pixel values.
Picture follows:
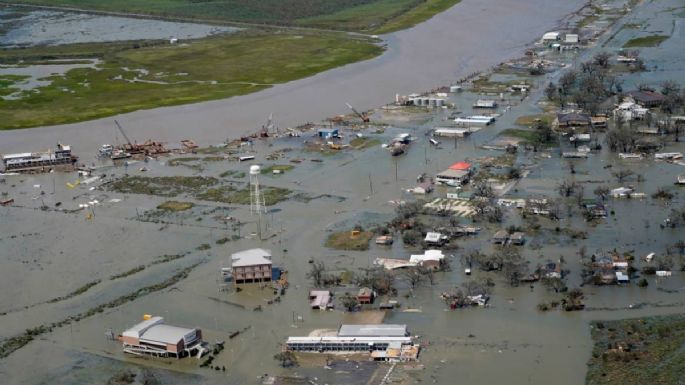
(287, 358)
(470, 257)
(579, 194)
(551, 91)
(413, 277)
(621, 175)
(601, 59)
(556, 284)
(544, 131)
(672, 101)
(566, 188)
(316, 273)
(513, 265)
(573, 300)
(377, 278)
(349, 302)
(483, 189)
(602, 193)
(567, 82)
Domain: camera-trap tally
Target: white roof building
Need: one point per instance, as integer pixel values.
(550, 36)
(428, 255)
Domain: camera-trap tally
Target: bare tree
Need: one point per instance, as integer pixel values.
(567, 187)
(622, 175)
(316, 273)
(413, 277)
(601, 59)
(601, 192)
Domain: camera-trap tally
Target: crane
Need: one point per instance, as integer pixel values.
(123, 133)
(363, 117)
(269, 126)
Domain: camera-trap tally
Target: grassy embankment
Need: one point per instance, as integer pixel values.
(646, 41)
(379, 17)
(638, 351)
(206, 69)
(376, 16)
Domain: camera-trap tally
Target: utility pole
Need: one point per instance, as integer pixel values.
(370, 185)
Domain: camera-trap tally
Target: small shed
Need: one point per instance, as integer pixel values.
(501, 237)
(622, 277)
(434, 238)
(328, 133)
(518, 238)
(365, 296)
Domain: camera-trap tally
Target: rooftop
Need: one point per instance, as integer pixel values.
(251, 257)
(463, 166)
(382, 330)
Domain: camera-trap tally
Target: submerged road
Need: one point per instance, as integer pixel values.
(471, 36)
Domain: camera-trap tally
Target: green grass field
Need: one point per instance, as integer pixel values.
(335, 14)
(638, 351)
(646, 41)
(205, 69)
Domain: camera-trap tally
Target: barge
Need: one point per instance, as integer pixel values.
(40, 161)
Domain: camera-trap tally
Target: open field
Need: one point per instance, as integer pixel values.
(638, 351)
(381, 16)
(344, 240)
(142, 75)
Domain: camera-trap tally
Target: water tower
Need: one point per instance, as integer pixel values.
(257, 205)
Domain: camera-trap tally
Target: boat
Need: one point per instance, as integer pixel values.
(680, 179)
(105, 150)
(189, 144)
(120, 154)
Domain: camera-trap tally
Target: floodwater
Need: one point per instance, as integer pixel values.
(470, 37)
(54, 28)
(51, 254)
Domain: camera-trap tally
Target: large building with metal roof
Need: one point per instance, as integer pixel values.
(154, 337)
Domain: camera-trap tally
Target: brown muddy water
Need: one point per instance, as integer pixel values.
(47, 254)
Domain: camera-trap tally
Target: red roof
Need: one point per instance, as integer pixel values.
(463, 166)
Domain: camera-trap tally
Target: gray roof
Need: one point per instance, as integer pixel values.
(251, 257)
(449, 173)
(373, 331)
(167, 334)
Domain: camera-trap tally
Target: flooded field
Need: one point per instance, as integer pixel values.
(27, 28)
(61, 259)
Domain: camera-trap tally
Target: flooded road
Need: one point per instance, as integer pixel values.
(471, 36)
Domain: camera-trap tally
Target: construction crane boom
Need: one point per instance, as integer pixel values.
(122, 132)
(363, 117)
